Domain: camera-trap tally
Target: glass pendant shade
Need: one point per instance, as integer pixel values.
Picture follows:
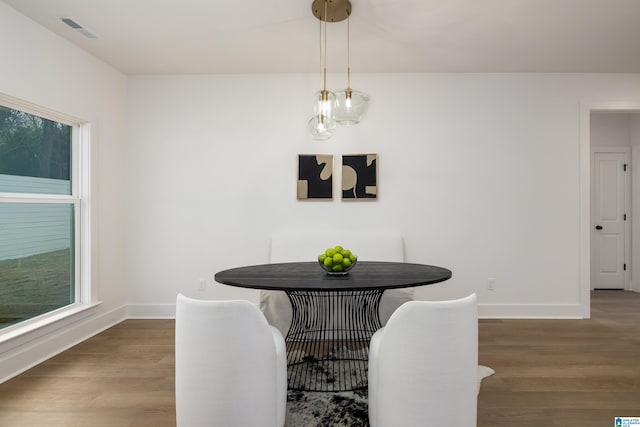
(323, 122)
(351, 106)
(319, 128)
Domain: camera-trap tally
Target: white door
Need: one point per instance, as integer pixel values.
(608, 262)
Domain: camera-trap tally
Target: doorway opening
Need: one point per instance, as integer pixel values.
(614, 165)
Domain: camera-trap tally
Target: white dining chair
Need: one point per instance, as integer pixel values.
(423, 366)
(230, 365)
(306, 246)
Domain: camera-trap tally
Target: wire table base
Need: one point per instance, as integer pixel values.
(328, 341)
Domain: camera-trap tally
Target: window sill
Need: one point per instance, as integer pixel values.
(29, 330)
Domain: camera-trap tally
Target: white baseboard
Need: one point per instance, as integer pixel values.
(530, 311)
(487, 311)
(17, 359)
(151, 311)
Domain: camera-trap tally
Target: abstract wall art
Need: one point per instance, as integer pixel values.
(360, 177)
(315, 177)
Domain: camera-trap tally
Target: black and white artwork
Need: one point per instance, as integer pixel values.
(315, 177)
(360, 177)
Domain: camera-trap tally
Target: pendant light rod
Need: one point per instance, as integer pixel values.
(325, 94)
(323, 68)
(325, 44)
(348, 55)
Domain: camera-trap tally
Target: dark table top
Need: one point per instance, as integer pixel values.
(305, 276)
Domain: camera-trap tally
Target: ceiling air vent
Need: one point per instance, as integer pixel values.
(71, 23)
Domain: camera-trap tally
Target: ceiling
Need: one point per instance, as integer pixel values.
(394, 36)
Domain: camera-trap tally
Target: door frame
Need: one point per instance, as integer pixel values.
(627, 207)
(585, 193)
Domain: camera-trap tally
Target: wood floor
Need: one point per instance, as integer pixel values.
(579, 373)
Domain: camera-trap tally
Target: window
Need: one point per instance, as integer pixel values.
(40, 214)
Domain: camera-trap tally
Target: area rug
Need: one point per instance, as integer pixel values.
(315, 409)
(336, 409)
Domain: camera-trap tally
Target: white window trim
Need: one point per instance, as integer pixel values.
(80, 198)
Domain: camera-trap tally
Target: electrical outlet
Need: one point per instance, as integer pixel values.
(491, 284)
(202, 285)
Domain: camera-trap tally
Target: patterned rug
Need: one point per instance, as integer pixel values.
(324, 409)
(336, 409)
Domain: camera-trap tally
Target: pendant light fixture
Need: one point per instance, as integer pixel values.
(351, 105)
(348, 106)
(323, 123)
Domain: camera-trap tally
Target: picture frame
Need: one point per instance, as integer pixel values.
(359, 177)
(315, 177)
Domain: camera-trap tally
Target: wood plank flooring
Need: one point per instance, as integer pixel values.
(122, 377)
(578, 373)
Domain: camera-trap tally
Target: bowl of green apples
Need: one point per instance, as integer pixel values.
(337, 260)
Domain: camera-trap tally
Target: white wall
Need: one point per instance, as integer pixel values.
(634, 129)
(610, 130)
(41, 68)
(480, 173)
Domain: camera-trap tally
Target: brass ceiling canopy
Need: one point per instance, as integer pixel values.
(336, 10)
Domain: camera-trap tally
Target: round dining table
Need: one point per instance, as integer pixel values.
(333, 316)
